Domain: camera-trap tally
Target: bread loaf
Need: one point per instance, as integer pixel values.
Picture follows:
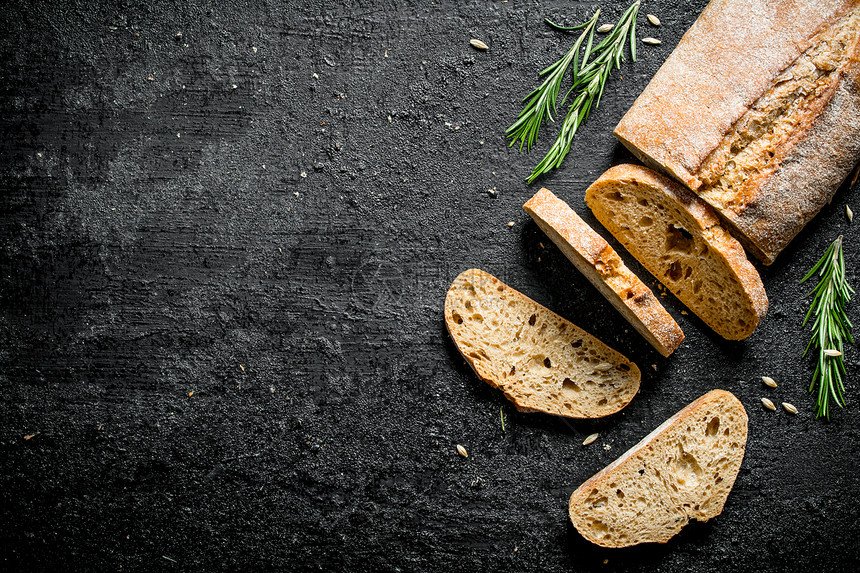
(678, 238)
(758, 111)
(683, 470)
(542, 362)
(601, 265)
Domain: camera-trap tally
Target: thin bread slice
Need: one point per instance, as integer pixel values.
(683, 470)
(601, 265)
(678, 238)
(542, 362)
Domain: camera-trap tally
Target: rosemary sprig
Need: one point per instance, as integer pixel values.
(541, 103)
(589, 80)
(830, 328)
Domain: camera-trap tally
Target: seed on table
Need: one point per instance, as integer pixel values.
(651, 41)
(768, 404)
(832, 352)
(849, 213)
(768, 381)
(479, 44)
(589, 439)
(654, 19)
(605, 28)
(462, 451)
(789, 408)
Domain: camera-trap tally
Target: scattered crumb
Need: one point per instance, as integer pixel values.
(607, 447)
(684, 312)
(190, 394)
(29, 436)
(303, 174)
(654, 366)
(510, 223)
(253, 49)
(242, 368)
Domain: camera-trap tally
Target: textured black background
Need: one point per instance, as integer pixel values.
(262, 204)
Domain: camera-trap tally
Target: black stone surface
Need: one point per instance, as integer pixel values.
(227, 231)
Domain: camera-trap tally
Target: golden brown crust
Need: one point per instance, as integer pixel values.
(705, 224)
(701, 94)
(601, 265)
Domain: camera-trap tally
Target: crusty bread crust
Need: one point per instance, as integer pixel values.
(601, 265)
(729, 262)
(702, 93)
(541, 361)
(687, 465)
(808, 176)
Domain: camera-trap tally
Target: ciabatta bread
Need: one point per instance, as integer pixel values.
(678, 238)
(601, 265)
(683, 470)
(540, 361)
(758, 111)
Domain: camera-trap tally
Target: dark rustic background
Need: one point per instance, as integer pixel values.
(227, 231)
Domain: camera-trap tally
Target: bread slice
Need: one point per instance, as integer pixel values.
(683, 470)
(542, 362)
(678, 238)
(601, 265)
(765, 128)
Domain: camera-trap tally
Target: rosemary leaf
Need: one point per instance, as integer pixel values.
(830, 328)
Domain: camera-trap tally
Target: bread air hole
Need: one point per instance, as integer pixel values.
(624, 368)
(576, 343)
(569, 385)
(713, 426)
(457, 318)
(646, 221)
(532, 320)
(615, 196)
(547, 362)
(674, 272)
(678, 239)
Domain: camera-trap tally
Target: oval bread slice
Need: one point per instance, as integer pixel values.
(683, 470)
(678, 238)
(601, 265)
(541, 361)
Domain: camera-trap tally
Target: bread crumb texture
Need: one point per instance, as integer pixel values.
(678, 238)
(541, 361)
(683, 470)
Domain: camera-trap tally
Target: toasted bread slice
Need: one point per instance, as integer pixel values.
(601, 265)
(683, 470)
(542, 362)
(678, 238)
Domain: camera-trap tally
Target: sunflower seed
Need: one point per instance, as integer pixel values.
(654, 19)
(832, 352)
(603, 367)
(789, 408)
(479, 44)
(768, 404)
(605, 28)
(849, 213)
(768, 381)
(651, 41)
(589, 439)
(462, 451)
